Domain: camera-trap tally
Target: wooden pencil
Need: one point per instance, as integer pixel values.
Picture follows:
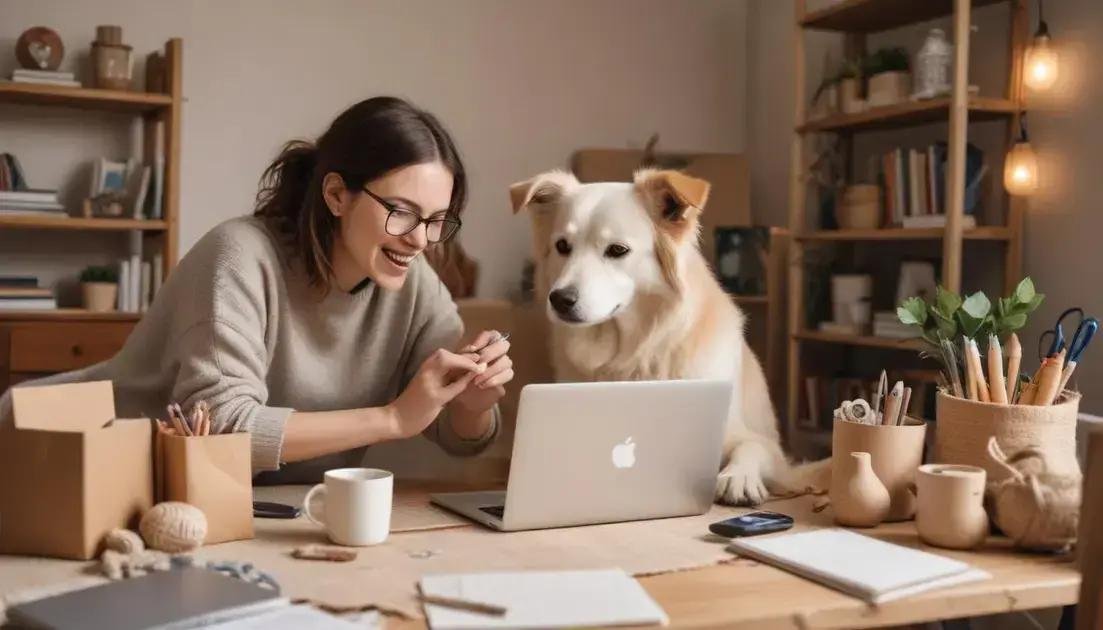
(995, 371)
(1049, 380)
(892, 403)
(904, 406)
(463, 604)
(978, 372)
(970, 378)
(1014, 359)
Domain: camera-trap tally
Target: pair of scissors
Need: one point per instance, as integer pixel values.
(1075, 346)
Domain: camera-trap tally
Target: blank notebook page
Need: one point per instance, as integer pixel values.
(862, 566)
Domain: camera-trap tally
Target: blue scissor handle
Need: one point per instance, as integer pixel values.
(1058, 332)
(1084, 333)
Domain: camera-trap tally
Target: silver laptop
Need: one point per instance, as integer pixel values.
(587, 453)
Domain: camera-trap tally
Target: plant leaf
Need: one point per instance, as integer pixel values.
(947, 328)
(1024, 293)
(1012, 323)
(977, 306)
(946, 302)
(912, 312)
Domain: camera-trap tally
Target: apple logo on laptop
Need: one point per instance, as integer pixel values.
(624, 454)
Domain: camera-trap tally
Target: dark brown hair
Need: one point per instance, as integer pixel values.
(365, 142)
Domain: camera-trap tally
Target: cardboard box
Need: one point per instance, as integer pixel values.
(70, 472)
(729, 202)
(213, 473)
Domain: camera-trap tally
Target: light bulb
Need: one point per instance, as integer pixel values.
(1020, 171)
(1040, 64)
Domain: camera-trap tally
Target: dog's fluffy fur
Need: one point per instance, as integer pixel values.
(654, 311)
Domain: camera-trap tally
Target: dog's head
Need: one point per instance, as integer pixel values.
(599, 246)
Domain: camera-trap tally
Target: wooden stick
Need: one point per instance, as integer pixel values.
(904, 406)
(982, 385)
(892, 403)
(463, 604)
(970, 379)
(995, 371)
(1014, 359)
(1048, 381)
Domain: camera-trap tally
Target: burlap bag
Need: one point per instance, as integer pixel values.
(963, 428)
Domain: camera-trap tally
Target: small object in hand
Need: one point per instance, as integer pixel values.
(322, 552)
(752, 524)
(493, 341)
(174, 526)
(123, 541)
(269, 509)
(463, 604)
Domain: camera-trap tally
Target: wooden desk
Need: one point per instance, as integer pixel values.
(745, 594)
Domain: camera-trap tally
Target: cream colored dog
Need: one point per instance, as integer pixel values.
(631, 297)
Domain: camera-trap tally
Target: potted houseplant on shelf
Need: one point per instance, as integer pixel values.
(99, 288)
(889, 75)
(849, 88)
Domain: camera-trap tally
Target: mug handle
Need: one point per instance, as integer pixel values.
(306, 503)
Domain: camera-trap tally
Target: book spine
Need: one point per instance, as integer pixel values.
(122, 304)
(146, 285)
(134, 290)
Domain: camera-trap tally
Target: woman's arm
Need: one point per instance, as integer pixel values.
(310, 434)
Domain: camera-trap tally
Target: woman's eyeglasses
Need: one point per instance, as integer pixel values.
(400, 222)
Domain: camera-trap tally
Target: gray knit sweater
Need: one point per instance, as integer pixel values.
(237, 325)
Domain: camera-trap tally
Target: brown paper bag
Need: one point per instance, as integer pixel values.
(213, 473)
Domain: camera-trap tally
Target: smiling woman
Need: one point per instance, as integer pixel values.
(316, 325)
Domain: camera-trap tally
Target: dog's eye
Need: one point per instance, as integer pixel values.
(616, 250)
(563, 247)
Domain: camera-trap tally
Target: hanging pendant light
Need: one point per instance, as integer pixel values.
(1020, 169)
(1040, 60)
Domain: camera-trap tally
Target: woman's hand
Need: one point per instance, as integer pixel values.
(487, 388)
(439, 380)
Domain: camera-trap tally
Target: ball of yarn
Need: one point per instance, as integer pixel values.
(123, 541)
(174, 527)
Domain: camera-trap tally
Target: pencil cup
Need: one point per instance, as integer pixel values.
(213, 473)
(950, 502)
(963, 427)
(896, 452)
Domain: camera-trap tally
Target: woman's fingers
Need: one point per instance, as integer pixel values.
(451, 361)
(493, 369)
(498, 379)
(480, 340)
(456, 387)
(494, 351)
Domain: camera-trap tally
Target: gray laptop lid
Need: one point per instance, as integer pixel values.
(588, 453)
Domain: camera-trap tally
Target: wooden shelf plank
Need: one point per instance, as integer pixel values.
(68, 314)
(984, 233)
(910, 114)
(40, 222)
(866, 341)
(871, 16)
(82, 98)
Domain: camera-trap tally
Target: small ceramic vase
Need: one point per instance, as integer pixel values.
(951, 505)
(858, 497)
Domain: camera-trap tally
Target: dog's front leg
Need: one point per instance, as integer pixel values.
(753, 462)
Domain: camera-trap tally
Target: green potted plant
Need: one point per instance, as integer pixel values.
(99, 286)
(889, 72)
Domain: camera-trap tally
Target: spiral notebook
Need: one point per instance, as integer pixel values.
(869, 569)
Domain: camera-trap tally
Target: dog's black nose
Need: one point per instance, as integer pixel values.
(563, 300)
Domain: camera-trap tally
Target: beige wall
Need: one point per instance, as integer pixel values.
(520, 84)
(1061, 250)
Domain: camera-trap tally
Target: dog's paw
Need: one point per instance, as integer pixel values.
(741, 484)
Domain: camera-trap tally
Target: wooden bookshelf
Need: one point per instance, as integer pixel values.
(35, 222)
(864, 341)
(67, 315)
(984, 233)
(910, 114)
(83, 98)
(871, 16)
(855, 19)
(38, 343)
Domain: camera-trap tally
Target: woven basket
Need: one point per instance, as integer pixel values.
(963, 427)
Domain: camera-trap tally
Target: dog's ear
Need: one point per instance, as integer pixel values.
(675, 196)
(543, 189)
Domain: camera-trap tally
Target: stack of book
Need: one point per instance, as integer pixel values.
(17, 198)
(914, 185)
(22, 293)
(44, 77)
(887, 324)
(139, 281)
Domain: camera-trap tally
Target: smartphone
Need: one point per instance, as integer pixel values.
(267, 509)
(752, 524)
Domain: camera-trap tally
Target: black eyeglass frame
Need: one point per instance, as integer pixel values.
(449, 220)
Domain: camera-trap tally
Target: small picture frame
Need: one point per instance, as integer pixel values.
(108, 176)
(742, 257)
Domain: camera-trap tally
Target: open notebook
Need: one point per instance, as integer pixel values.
(867, 568)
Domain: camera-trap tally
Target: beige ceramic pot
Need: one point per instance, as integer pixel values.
(896, 452)
(950, 501)
(99, 297)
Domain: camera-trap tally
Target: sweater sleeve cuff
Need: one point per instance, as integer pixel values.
(266, 434)
(463, 447)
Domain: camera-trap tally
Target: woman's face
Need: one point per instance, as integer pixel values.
(363, 247)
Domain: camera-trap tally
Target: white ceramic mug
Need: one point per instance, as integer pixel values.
(357, 505)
